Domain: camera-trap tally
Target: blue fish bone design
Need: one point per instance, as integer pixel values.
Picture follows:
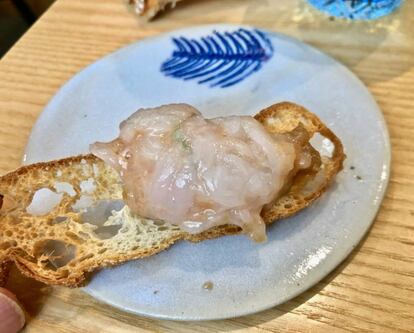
(221, 59)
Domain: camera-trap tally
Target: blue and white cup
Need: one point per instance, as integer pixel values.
(357, 9)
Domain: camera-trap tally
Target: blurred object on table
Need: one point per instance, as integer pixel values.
(16, 16)
(357, 9)
(149, 8)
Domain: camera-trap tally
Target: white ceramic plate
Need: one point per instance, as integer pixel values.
(300, 251)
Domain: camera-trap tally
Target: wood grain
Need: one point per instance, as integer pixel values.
(372, 291)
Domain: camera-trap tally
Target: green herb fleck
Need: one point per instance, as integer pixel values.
(179, 137)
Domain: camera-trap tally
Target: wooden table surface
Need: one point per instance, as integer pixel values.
(372, 291)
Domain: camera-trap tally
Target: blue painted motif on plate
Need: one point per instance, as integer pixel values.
(221, 59)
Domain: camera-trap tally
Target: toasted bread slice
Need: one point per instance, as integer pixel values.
(64, 243)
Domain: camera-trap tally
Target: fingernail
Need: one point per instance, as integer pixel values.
(12, 317)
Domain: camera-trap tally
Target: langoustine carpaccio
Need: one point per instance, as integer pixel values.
(199, 173)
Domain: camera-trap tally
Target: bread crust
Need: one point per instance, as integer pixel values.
(24, 239)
